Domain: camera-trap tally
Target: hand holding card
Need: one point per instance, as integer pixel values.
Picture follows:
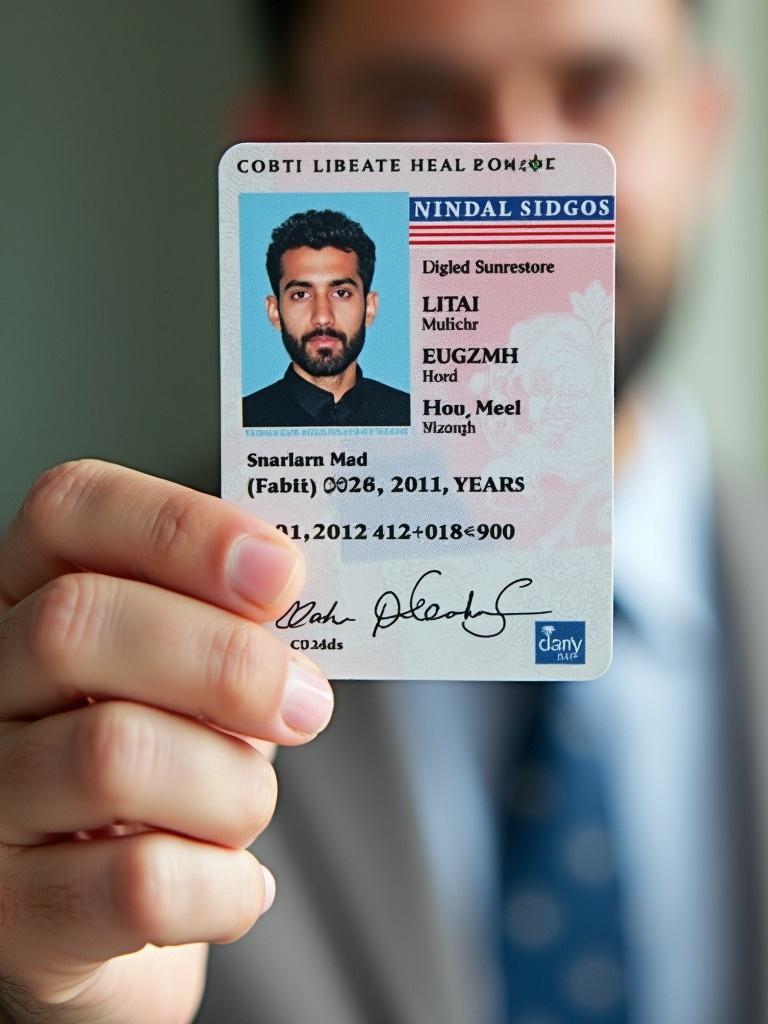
(133, 647)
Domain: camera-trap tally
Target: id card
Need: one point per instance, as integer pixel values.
(417, 388)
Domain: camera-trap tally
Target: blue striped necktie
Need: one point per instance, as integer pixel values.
(562, 941)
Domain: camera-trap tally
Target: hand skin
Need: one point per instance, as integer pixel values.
(137, 689)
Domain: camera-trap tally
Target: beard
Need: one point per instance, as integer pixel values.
(324, 361)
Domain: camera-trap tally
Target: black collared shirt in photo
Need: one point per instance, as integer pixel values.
(296, 402)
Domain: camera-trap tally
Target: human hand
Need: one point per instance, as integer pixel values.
(129, 639)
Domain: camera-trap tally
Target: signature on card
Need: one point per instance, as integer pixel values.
(484, 623)
(421, 605)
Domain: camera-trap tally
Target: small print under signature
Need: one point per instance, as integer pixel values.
(388, 609)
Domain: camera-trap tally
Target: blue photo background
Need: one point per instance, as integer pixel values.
(383, 216)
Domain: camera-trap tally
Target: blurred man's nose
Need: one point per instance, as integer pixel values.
(518, 104)
(524, 108)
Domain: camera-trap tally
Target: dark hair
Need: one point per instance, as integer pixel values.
(318, 229)
(274, 23)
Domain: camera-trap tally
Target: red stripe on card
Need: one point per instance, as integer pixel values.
(512, 241)
(505, 234)
(538, 226)
(511, 234)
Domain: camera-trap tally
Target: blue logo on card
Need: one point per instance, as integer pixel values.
(558, 642)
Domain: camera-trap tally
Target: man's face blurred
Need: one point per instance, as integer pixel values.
(623, 73)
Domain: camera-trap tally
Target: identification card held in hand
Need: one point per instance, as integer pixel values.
(417, 388)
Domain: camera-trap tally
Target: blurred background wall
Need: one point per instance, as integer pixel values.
(113, 117)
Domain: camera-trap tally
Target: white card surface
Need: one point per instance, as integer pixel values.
(450, 481)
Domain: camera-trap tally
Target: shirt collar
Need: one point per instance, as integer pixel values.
(318, 402)
(664, 521)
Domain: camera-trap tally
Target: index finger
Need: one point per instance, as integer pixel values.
(105, 518)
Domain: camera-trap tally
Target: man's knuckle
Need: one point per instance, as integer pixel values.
(145, 886)
(245, 906)
(177, 526)
(59, 491)
(259, 796)
(116, 749)
(66, 624)
(233, 665)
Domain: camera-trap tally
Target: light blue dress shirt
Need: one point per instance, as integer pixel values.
(657, 717)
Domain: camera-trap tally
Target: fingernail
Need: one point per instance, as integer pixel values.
(261, 571)
(307, 700)
(270, 888)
